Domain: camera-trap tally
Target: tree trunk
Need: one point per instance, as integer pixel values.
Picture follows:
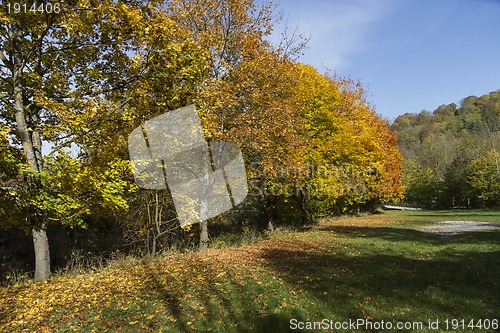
(270, 225)
(303, 211)
(42, 253)
(203, 235)
(153, 250)
(269, 208)
(39, 227)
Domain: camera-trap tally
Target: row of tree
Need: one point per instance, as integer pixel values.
(85, 77)
(452, 156)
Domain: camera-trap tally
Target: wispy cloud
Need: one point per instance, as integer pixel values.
(339, 29)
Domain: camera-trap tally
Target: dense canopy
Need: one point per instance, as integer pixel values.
(75, 82)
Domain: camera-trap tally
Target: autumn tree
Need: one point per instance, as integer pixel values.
(484, 180)
(352, 153)
(266, 123)
(233, 34)
(308, 136)
(23, 59)
(73, 77)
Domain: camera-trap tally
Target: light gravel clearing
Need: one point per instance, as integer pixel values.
(448, 228)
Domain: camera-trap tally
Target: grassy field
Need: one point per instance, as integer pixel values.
(371, 268)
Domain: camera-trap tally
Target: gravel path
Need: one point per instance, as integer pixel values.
(449, 228)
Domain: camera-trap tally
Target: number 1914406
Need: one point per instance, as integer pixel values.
(33, 8)
(479, 324)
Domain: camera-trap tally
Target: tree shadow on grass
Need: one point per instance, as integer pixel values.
(364, 275)
(417, 236)
(379, 282)
(219, 302)
(386, 233)
(371, 282)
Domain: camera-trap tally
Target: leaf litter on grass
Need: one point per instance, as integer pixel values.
(302, 275)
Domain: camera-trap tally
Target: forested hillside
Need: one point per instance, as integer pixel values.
(82, 77)
(451, 155)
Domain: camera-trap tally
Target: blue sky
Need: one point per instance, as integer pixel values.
(410, 55)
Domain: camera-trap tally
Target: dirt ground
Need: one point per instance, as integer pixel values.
(448, 228)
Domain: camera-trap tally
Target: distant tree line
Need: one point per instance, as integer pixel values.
(451, 156)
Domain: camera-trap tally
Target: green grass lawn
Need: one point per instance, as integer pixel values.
(375, 268)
